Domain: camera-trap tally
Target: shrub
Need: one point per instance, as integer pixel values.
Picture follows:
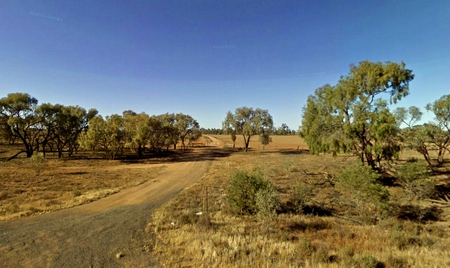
(301, 196)
(242, 190)
(367, 261)
(267, 203)
(38, 162)
(414, 178)
(361, 189)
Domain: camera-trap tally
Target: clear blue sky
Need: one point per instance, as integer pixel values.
(204, 58)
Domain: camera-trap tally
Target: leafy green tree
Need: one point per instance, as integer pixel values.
(169, 131)
(137, 128)
(413, 136)
(18, 111)
(440, 132)
(283, 130)
(156, 134)
(186, 125)
(351, 117)
(248, 122)
(106, 135)
(61, 125)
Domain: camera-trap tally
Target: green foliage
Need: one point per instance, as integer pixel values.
(106, 135)
(248, 122)
(17, 110)
(414, 178)
(243, 188)
(267, 204)
(361, 189)
(38, 162)
(301, 196)
(349, 117)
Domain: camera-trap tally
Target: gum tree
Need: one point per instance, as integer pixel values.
(248, 122)
(18, 111)
(352, 117)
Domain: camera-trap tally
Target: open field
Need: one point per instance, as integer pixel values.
(94, 234)
(279, 142)
(63, 184)
(327, 233)
(413, 234)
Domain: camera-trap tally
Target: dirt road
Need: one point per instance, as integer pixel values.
(91, 235)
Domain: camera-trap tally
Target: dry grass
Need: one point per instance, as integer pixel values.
(321, 237)
(279, 142)
(63, 183)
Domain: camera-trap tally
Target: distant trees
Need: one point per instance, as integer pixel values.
(434, 134)
(350, 116)
(137, 131)
(59, 128)
(248, 122)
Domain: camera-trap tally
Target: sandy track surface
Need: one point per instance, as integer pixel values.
(92, 234)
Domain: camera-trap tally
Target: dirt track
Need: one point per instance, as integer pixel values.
(91, 235)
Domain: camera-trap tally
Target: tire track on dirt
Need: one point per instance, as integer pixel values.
(92, 234)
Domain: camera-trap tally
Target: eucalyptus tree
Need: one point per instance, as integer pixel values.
(137, 128)
(440, 132)
(61, 125)
(248, 122)
(187, 128)
(413, 136)
(352, 117)
(18, 111)
(106, 135)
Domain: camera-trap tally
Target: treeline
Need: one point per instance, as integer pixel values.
(283, 130)
(58, 128)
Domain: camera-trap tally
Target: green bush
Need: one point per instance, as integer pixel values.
(242, 190)
(362, 190)
(38, 162)
(414, 178)
(267, 203)
(301, 196)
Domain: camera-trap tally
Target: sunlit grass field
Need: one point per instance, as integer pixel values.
(279, 142)
(320, 237)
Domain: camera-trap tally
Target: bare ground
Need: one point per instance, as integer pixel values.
(92, 235)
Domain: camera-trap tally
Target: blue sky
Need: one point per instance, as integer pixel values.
(204, 58)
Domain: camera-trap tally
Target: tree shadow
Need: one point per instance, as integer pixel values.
(294, 151)
(204, 153)
(418, 214)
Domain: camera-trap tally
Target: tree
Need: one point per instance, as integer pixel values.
(107, 135)
(350, 117)
(137, 128)
(248, 122)
(185, 126)
(284, 130)
(61, 125)
(413, 136)
(169, 131)
(440, 133)
(18, 111)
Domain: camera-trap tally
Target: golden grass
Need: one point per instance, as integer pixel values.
(63, 183)
(279, 142)
(221, 239)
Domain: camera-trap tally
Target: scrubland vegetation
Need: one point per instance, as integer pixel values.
(361, 186)
(291, 209)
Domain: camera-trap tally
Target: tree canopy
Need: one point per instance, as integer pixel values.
(248, 122)
(352, 117)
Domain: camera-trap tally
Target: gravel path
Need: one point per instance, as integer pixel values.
(92, 235)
